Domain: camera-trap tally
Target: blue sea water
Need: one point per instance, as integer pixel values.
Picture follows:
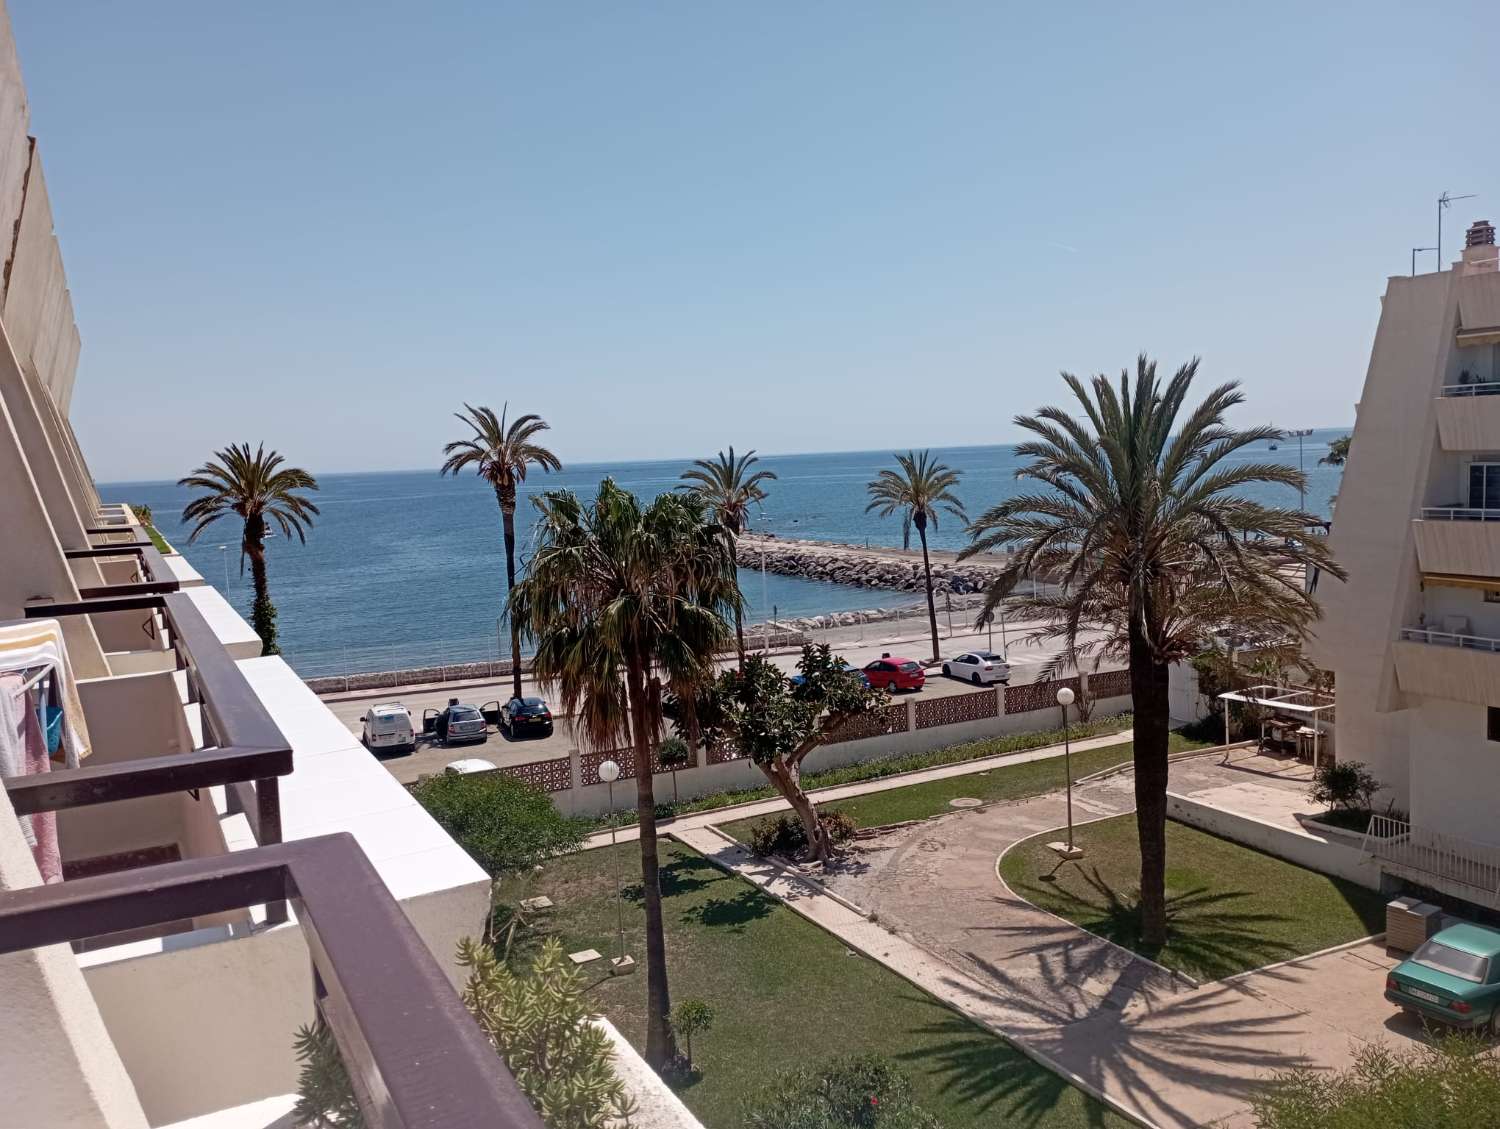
(405, 568)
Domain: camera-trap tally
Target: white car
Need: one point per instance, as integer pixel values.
(468, 765)
(982, 668)
(387, 729)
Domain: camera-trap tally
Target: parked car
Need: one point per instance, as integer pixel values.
(386, 728)
(892, 673)
(468, 765)
(1453, 978)
(456, 724)
(978, 667)
(799, 679)
(523, 717)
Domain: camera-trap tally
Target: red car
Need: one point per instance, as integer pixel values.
(891, 673)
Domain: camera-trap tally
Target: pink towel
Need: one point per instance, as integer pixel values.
(23, 751)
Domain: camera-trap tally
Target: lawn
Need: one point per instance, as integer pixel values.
(1011, 782)
(1229, 908)
(787, 992)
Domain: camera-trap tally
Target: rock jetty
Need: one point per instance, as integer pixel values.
(893, 570)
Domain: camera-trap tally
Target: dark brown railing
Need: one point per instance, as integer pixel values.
(155, 575)
(246, 751)
(414, 1054)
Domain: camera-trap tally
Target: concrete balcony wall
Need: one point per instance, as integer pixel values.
(128, 631)
(1469, 423)
(1461, 674)
(1459, 548)
(1458, 766)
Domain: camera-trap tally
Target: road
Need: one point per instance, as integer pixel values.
(1026, 663)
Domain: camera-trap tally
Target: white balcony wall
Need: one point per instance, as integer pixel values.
(1469, 423)
(1457, 790)
(1459, 548)
(1455, 674)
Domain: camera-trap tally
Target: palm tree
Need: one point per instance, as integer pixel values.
(500, 455)
(620, 600)
(255, 487)
(729, 491)
(918, 490)
(1338, 452)
(1143, 516)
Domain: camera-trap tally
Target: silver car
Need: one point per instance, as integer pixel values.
(456, 724)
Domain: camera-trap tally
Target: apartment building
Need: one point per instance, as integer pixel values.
(1413, 636)
(229, 861)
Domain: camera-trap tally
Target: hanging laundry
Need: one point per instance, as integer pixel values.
(34, 644)
(23, 752)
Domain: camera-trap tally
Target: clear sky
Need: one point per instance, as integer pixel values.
(668, 227)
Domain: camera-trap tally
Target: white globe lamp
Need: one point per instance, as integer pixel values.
(609, 771)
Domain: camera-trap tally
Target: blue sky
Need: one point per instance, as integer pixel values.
(671, 227)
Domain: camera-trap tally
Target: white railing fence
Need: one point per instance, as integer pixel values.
(1450, 639)
(1483, 388)
(1458, 513)
(1451, 857)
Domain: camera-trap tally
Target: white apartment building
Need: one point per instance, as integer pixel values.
(1413, 636)
(233, 862)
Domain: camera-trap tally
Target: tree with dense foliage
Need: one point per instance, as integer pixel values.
(856, 1092)
(500, 455)
(255, 487)
(729, 488)
(1453, 1085)
(1142, 515)
(777, 721)
(1338, 452)
(507, 825)
(918, 490)
(624, 601)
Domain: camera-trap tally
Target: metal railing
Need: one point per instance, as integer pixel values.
(153, 575)
(244, 749)
(1459, 513)
(1450, 639)
(1434, 853)
(1484, 388)
(415, 1056)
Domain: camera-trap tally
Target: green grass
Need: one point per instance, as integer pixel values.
(1229, 908)
(786, 992)
(158, 540)
(1011, 782)
(880, 769)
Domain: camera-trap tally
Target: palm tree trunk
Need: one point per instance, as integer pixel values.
(661, 1048)
(508, 522)
(921, 523)
(262, 612)
(739, 637)
(1148, 686)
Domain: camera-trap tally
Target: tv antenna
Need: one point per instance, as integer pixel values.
(1443, 202)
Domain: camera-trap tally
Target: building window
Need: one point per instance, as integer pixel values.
(1484, 486)
(1492, 723)
(1492, 595)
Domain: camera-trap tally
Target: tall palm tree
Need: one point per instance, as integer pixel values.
(729, 490)
(621, 600)
(1338, 452)
(254, 486)
(1145, 518)
(500, 455)
(918, 490)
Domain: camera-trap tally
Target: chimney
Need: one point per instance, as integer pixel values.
(1480, 256)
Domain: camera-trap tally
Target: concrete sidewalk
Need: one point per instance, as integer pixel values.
(861, 788)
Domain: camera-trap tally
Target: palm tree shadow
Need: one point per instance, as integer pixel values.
(733, 912)
(685, 875)
(1207, 936)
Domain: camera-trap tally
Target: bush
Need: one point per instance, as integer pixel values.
(1346, 785)
(690, 1018)
(859, 1092)
(1453, 1085)
(506, 825)
(784, 835)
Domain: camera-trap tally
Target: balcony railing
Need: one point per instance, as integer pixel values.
(1450, 639)
(1489, 388)
(245, 751)
(1435, 854)
(415, 1056)
(1458, 513)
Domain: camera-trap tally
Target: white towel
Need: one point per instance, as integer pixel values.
(39, 643)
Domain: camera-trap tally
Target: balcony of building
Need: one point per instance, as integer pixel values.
(415, 1057)
(1449, 863)
(1468, 416)
(1459, 542)
(1451, 664)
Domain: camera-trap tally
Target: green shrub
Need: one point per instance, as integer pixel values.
(859, 1092)
(689, 1018)
(325, 1096)
(1454, 1085)
(1346, 785)
(784, 834)
(506, 825)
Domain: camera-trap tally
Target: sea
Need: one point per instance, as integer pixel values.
(405, 568)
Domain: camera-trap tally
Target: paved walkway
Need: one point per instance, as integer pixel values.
(1116, 1025)
(861, 788)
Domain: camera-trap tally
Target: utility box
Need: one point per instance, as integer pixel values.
(1409, 922)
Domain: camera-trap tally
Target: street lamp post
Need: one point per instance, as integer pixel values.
(609, 772)
(224, 556)
(1299, 434)
(1067, 850)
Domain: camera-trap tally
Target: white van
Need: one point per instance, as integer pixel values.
(388, 729)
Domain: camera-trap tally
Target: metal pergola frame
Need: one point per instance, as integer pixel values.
(1291, 699)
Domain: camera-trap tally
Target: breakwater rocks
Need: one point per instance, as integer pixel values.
(867, 568)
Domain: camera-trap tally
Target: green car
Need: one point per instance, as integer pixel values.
(1453, 978)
